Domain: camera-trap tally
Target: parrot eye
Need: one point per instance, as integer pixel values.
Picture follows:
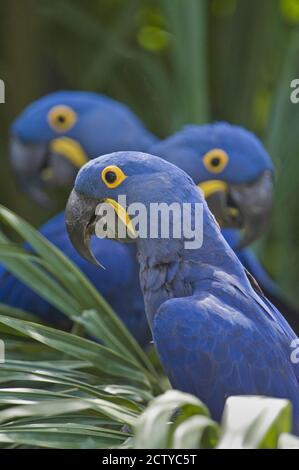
(113, 176)
(215, 160)
(62, 118)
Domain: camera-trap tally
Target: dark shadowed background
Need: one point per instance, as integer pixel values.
(174, 62)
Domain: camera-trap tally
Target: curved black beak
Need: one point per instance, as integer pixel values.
(27, 161)
(245, 206)
(40, 166)
(80, 219)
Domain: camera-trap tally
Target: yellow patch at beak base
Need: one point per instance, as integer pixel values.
(70, 149)
(213, 186)
(123, 216)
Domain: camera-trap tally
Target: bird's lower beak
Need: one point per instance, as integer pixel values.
(123, 218)
(216, 193)
(245, 206)
(41, 166)
(254, 202)
(81, 217)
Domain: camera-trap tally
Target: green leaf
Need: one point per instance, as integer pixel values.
(105, 360)
(251, 422)
(65, 436)
(96, 326)
(188, 27)
(26, 396)
(76, 295)
(75, 18)
(64, 406)
(29, 350)
(89, 418)
(42, 374)
(17, 313)
(38, 280)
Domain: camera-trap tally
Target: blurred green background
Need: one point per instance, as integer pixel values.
(174, 62)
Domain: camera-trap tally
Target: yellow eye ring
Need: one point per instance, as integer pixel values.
(215, 160)
(62, 118)
(113, 176)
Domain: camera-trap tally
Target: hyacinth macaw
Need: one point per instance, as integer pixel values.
(216, 334)
(59, 132)
(50, 140)
(234, 170)
(118, 283)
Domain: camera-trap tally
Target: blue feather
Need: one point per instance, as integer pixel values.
(102, 125)
(216, 334)
(248, 159)
(118, 283)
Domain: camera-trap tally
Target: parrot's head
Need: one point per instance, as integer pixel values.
(117, 181)
(232, 168)
(57, 134)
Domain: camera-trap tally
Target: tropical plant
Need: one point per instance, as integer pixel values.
(173, 62)
(60, 390)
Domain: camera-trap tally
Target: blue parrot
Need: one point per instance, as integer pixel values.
(50, 140)
(216, 334)
(59, 132)
(234, 170)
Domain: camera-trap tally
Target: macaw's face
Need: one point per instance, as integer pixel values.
(118, 183)
(232, 168)
(48, 142)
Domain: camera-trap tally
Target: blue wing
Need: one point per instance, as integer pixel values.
(268, 286)
(212, 350)
(250, 262)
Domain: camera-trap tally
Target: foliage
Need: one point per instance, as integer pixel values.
(59, 390)
(177, 420)
(173, 62)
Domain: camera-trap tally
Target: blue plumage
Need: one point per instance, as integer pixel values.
(251, 263)
(102, 125)
(60, 132)
(118, 283)
(247, 161)
(215, 332)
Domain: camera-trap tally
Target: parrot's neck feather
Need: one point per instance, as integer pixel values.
(169, 270)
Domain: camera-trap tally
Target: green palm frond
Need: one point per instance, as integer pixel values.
(59, 390)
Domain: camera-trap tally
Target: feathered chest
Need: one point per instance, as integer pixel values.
(161, 281)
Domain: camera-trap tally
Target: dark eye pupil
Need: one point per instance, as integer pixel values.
(215, 161)
(110, 176)
(61, 119)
